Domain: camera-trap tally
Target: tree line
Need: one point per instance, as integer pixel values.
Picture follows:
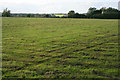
(103, 13)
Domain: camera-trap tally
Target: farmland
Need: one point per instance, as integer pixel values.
(60, 15)
(59, 48)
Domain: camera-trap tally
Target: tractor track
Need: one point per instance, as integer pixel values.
(65, 54)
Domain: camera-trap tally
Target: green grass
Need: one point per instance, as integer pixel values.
(60, 48)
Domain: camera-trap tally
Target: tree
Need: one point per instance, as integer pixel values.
(77, 15)
(91, 11)
(110, 13)
(28, 15)
(47, 15)
(103, 9)
(6, 13)
(71, 14)
(97, 12)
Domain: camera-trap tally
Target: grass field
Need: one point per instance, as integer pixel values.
(60, 48)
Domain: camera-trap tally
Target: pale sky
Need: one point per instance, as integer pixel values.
(54, 6)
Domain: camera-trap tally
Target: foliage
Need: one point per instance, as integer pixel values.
(6, 13)
(103, 13)
(71, 14)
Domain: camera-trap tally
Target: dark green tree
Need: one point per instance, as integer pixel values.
(28, 15)
(91, 11)
(47, 15)
(97, 12)
(77, 15)
(6, 13)
(71, 14)
(103, 9)
(110, 13)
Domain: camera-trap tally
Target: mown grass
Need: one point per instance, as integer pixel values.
(60, 48)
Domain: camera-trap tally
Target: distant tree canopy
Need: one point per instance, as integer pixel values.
(103, 13)
(28, 15)
(71, 14)
(93, 11)
(109, 13)
(6, 13)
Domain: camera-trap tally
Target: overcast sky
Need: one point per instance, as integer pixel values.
(54, 6)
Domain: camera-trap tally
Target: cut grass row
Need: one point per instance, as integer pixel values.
(60, 48)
